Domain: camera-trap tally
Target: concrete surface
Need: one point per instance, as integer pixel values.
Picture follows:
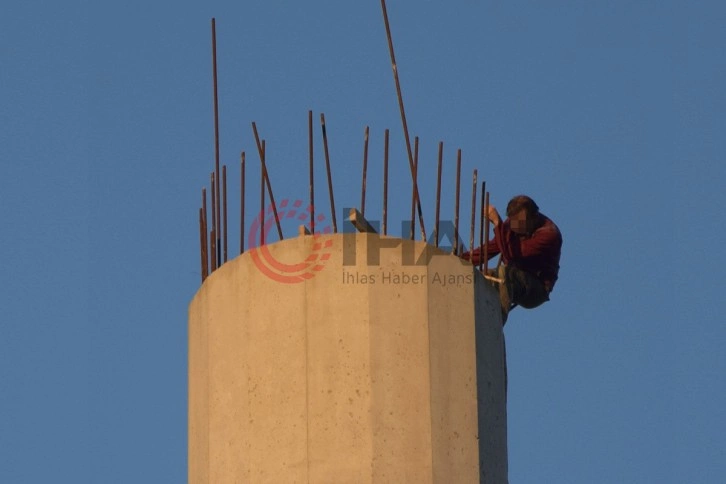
(387, 373)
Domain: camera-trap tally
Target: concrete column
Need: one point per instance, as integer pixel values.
(363, 373)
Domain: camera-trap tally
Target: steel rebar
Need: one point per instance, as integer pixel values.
(365, 169)
(224, 210)
(204, 209)
(312, 178)
(438, 193)
(413, 193)
(456, 205)
(330, 176)
(216, 126)
(473, 219)
(486, 234)
(403, 118)
(481, 224)
(262, 194)
(213, 247)
(202, 241)
(385, 182)
(242, 204)
(266, 178)
(205, 248)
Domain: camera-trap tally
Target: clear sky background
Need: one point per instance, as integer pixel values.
(610, 114)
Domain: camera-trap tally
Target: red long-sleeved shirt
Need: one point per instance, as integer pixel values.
(538, 253)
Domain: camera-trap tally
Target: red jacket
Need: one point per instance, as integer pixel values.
(538, 253)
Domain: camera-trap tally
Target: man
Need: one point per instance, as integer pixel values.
(530, 244)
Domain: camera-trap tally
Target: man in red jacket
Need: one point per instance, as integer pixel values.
(530, 244)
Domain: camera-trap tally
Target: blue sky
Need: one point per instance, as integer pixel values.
(606, 113)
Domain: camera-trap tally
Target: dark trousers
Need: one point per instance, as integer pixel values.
(523, 288)
(520, 288)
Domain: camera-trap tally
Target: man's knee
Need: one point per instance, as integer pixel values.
(527, 291)
(532, 302)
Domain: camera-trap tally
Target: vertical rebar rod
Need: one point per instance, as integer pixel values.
(205, 246)
(242, 204)
(202, 241)
(473, 219)
(365, 169)
(330, 176)
(385, 183)
(312, 178)
(266, 178)
(413, 193)
(216, 125)
(207, 271)
(482, 217)
(213, 246)
(262, 194)
(438, 193)
(486, 234)
(213, 199)
(403, 119)
(224, 210)
(456, 205)
(204, 210)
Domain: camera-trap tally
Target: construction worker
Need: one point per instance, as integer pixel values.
(529, 244)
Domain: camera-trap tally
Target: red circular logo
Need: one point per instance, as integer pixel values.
(285, 272)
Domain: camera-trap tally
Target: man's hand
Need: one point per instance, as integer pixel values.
(493, 215)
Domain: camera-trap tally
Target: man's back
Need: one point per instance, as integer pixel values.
(537, 253)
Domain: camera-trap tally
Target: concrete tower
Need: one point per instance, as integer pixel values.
(384, 365)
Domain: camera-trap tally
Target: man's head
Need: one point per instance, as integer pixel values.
(523, 215)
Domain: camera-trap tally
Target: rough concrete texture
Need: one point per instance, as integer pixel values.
(364, 373)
